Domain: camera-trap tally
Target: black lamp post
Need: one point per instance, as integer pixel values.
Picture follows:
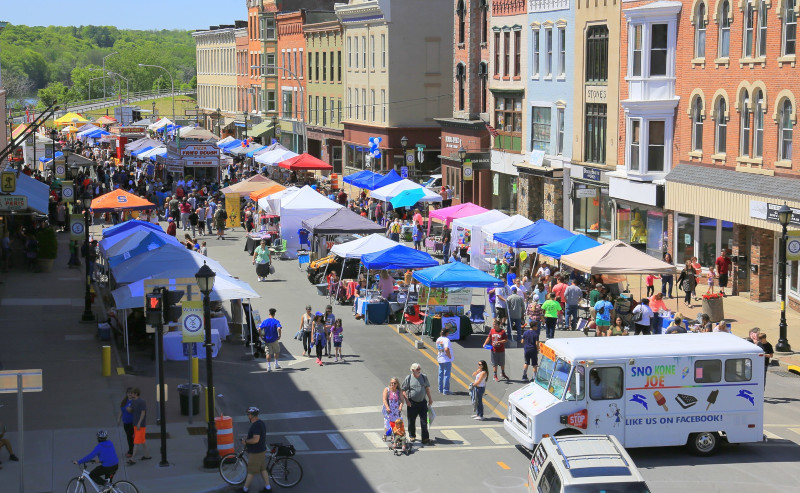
(404, 144)
(274, 127)
(218, 114)
(462, 156)
(53, 135)
(205, 280)
(784, 216)
(244, 115)
(88, 316)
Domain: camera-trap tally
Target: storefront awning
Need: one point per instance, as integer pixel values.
(260, 129)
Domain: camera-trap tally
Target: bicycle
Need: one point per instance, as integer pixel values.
(282, 469)
(78, 483)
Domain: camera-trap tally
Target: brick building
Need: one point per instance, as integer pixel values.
(292, 79)
(242, 79)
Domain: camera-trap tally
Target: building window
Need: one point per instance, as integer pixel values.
(540, 130)
(761, 34)
(364, 104)
(636, 142)
(725, 30)
(749, 17)
(287, 104)
(355, 49)
(597, 55)
(271, 64)
(591, 214)
(383, 105)
(517, 53)
(310, 66)
(460, 75)
(595, 133)
(506, 53)
(311, 110)
(364, 52)
(299, 63)
(283, 59)
(560, 114)
(330, 66)
(721, 126)
(656, 136)
(270, 100)
(483, 75)
(508, 114)
(339, 110)
(316, 67)
(758, 124)
(744, 125)
(697, 124)
(562, 51)
(322, 110)
(374, 103)
(658, 50)
(349, 52)
(496, 54)
(270, 28)
(789, 27)
(338, 67)
(484, 8)
(461, 11)
(548, 54)
(535, 36)
(383, 51)
(372, 52)
(636, 66)
(785, 133)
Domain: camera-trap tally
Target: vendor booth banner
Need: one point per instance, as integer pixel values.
(232, 208)
(446, 296)
(192, 321)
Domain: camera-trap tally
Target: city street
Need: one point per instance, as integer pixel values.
(331, 414)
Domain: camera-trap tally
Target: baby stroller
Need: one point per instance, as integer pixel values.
(399, 442)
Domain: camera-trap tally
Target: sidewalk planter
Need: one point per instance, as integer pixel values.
(48, 249)
(713, 307)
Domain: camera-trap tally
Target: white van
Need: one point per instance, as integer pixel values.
(648, 391)
(583, 464)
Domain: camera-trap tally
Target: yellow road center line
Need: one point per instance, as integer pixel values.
(503, 465)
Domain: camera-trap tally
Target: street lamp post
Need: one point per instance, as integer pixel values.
(274, 127)
(462, 155)
(244, 114)
(127, 87)
(205, 280)
(403, 144)
(88, 316)
(104, 73)
(218, 116)
(171, 81)
(784, 216)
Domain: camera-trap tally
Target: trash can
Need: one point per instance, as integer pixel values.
(183, 393)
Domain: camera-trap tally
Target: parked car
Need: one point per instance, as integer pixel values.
(433, 183)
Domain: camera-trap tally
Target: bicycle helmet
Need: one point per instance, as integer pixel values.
(253, 410)
(102, 435)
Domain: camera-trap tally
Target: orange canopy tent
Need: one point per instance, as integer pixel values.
(106, 120)
(21, 128)
(267, 191)
(305, 162)
(120, 200)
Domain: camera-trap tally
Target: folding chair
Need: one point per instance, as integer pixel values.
(417, 319)
(279, 251)
(477, 318)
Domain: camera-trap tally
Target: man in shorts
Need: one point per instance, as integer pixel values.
(723, 264)
(271, 332)
(139, 412)
(497, 338)
(256, 445)
(604, 314)
(530, 346)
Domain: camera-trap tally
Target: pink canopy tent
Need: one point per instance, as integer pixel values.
(446, 215)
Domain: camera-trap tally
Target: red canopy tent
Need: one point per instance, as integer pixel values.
(120, 200)
(305, 162)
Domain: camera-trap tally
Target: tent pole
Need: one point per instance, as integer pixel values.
(344, 261)
(405, 307)
(427, 308)
(127, 345)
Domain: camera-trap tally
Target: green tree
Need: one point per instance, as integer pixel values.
(55, 91)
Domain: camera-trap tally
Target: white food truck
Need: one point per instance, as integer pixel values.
(648, 391)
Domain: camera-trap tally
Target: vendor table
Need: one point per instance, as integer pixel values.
(433, 327)
(375, 312)
(431, 243)
(174, 348)
(253, 239)
(220, 324)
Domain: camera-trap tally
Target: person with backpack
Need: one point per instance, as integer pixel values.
(271, 332)
(415, 389)
(604, 312)
(220, 216)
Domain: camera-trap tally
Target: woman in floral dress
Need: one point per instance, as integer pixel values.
(392, 405)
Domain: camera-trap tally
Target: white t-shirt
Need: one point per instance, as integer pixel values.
(443, 343)
(647, 313)
(543, 271)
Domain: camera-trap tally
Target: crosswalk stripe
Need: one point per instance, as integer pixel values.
(771, 436)
(298, 442)
(453, 435)
(494, 436)
(338, 441)
(796, 430)
(376, 440)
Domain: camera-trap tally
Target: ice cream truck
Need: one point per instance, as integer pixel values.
(648, 391)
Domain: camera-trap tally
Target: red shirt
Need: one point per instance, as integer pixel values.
(723, 264)
(497, 336)
(185, 207)
(558, 290)
(172, 229)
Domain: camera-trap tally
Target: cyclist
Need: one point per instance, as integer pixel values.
(256, 445)
(108, 459)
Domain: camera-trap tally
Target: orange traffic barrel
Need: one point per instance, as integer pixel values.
(224, 435)
(334, 181)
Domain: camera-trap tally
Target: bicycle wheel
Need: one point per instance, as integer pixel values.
(286, 472)
(125, 487)
(233, 469)
(75, 485)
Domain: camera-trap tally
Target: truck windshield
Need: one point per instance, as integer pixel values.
(638, 487)
(552, 376)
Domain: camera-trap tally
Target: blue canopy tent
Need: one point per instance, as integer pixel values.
(140, 242)
(128, 225)
(352, 179)
(398, 257)
(231, 145)
(254, 151)
(572, 244)
(538, 234)
(58, 155)
(376, 183)
(167, 261)
(141, 151)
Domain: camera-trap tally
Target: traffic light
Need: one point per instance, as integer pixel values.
(153, 309)
(172, 312)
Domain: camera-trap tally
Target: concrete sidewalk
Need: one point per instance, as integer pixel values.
(40, 328)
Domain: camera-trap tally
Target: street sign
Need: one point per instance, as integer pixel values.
(410, 158)
(9, 181)
(61, 171)
(31, 381)
(793, 245)
(13, 202)
(404, 172)
(192, 321)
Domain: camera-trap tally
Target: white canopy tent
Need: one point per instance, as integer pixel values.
(392, 190)
(225, 140)
(473, 224)
(491, 249)
(225, 288)
(272, 203)
(362, 246)
(160, 123)
(303, 204)
(274, 157)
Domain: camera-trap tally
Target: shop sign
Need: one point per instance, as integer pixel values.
(13, 202)
(200, 163)
(586, 193)
(467, 170)
(451, 142)
(537, 157)
(596, 94)
(769, 212)
(199, 151)
(591, 174)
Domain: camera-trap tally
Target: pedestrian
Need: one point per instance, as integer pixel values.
(516, 310)
(649, 282)
(490, 293)
(478, 388)
(551, 309)
(256, 446)
(139, 411)
(698, 269)
(530, 347)
(392, 405)
(415, 388)
(723, 265)
(687, 281)
(126, 418)
(105, 452)
(768, 353)
(445, 360)
(710, 280)
(446, 238)
(220, 216)
(271, 332)
(619, 328)
(596, 294)
(172, 229)
(201, 220)
(337, 337)
(194, 221)
(667, 279)
(572, 297)
(497, 339)
(677, 326)
(5, 260)
(394, 229)
(319, 335)
(204, 248)
(603, 313)
(5, 442)
(73, 254)
(262, 260)
(500, 304)
(642, 317)
(210, 209)
(175, 208)
(417, 236)
(330, 319)
(185, 210)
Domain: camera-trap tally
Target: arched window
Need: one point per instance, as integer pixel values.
(697, 124)
(484, 8)
(748, 36)
(744, 126)
(785, 131)
(789, 27)
(758, 123)
(460, 76)
(700, 31)
(721, 125)
(461, 11)
(483, 75)
(761, 33)
(725, 30)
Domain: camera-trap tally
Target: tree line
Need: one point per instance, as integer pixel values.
(57, 62)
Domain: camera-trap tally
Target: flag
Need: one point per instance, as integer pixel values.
(491, 129)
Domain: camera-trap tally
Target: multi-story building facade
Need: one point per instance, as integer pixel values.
(508, 107)
(466, 129)
(242, 79)
(648, 102)
(254, 63)
(3, 116)
(734, 156)
(216, 76)
(325, 85)
(551, 74)
(595, 116)
(292, 79)
(398, 63)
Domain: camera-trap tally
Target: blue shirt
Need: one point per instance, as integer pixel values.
(105, 451)
(606, 315)
(127, 417)
(270, 327)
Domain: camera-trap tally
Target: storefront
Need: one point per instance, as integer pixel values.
(290, 135)
(471, 182)
(326, 144)
(123, 135)
(197, 159)
(639, 216)
(591, 207)
(541, 188)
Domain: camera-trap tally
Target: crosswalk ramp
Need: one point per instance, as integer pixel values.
(465, 437)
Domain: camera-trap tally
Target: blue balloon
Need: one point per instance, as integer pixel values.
(378, 155)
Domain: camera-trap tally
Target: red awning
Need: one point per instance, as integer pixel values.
(305, 162)
(120, 200)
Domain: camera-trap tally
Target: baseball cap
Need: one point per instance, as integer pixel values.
(598, 285)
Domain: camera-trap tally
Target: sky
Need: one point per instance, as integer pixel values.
(125, 14)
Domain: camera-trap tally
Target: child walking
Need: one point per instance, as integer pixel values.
(319, 335)
(336, 337)
(711, 275)
(649, 282)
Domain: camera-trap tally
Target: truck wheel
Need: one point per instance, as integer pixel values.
(566, 432)
(703, 444)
